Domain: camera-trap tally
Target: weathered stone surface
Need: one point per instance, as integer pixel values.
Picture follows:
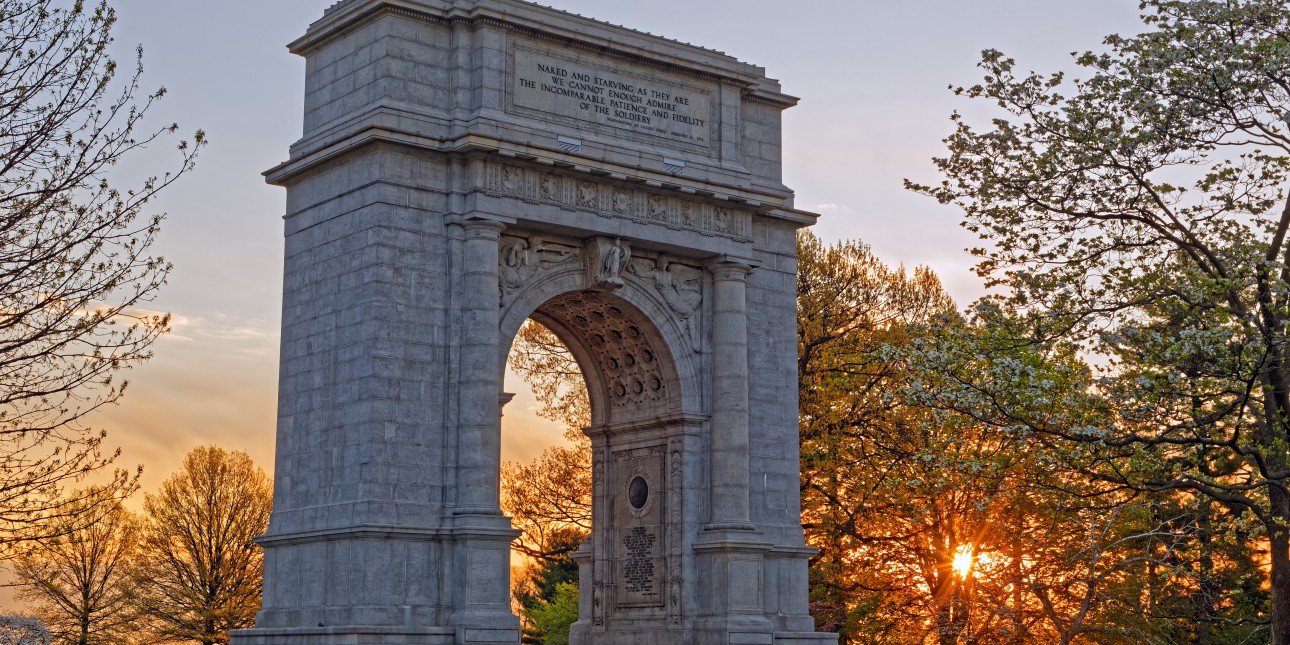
(469, 164)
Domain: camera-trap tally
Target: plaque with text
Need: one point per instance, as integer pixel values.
(582, 93)
(639, 540)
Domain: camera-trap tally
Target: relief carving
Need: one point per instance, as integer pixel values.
(721, 221)
(658, 208)
(690, 214)
(610, 200)
(606, 260)
(680, 287)
(588, 195)
(512, 179)
(522, 258)
(675, 464)
(598, 531)
(550, 188)
(622, 201)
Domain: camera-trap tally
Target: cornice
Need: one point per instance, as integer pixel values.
(545, 22)
(479, 145)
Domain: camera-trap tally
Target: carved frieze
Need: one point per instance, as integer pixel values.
(542, 186)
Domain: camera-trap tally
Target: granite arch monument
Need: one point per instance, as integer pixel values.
(469, 164)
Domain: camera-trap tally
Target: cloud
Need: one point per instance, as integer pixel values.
(224, 333)
(835, 210)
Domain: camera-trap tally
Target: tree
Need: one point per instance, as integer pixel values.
(21, 630)
(1089, 556)
(936, 520)
(1141, 214)
(78, 583)
(553, 618)
(545, 363)
(854, 434)
(547, 499)
(200, 570)
(75, 263)
(551, 496)
(541, 588)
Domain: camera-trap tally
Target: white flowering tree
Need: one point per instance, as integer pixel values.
(1140, 213)
(22, 630)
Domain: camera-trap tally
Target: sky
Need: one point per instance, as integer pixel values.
(872, 76)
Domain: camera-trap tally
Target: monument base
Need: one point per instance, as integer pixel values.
(377, 636)
(347, 636)
(805, 638)
(582, 634)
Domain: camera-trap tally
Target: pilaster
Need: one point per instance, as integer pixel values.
(729, 500)
(481, 533)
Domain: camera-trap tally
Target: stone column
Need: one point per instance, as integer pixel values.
(730, 398)
(482, 613)
(479, 423)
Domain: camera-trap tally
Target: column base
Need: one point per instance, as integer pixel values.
(805, 638)
(379, 636)
(729, 635)
(349, 636)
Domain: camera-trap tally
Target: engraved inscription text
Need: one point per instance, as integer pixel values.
(568, 89)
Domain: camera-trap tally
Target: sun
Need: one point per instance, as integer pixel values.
(964, 561)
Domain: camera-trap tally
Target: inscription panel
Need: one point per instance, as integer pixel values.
(638, 498)
(584, 92)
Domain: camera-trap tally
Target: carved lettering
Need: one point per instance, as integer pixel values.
(642, 104)
(638, 567)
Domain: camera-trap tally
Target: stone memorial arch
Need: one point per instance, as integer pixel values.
(467, 165)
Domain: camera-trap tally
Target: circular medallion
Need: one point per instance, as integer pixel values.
(638, 492)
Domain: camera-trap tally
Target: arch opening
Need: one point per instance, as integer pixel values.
(604, 473)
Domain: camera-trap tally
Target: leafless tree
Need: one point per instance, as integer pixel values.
(200, 571)
(76, 270)
(78, 583)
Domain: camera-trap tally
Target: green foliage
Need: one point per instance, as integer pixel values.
(552, 618)
(538, 589)
(1137, 219)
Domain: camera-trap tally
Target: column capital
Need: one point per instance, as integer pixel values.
(482, 229)
(730, 271)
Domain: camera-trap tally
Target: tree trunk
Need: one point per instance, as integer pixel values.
(1279, 539)
(1207, 589)
(952, 615)
(1274, 448)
